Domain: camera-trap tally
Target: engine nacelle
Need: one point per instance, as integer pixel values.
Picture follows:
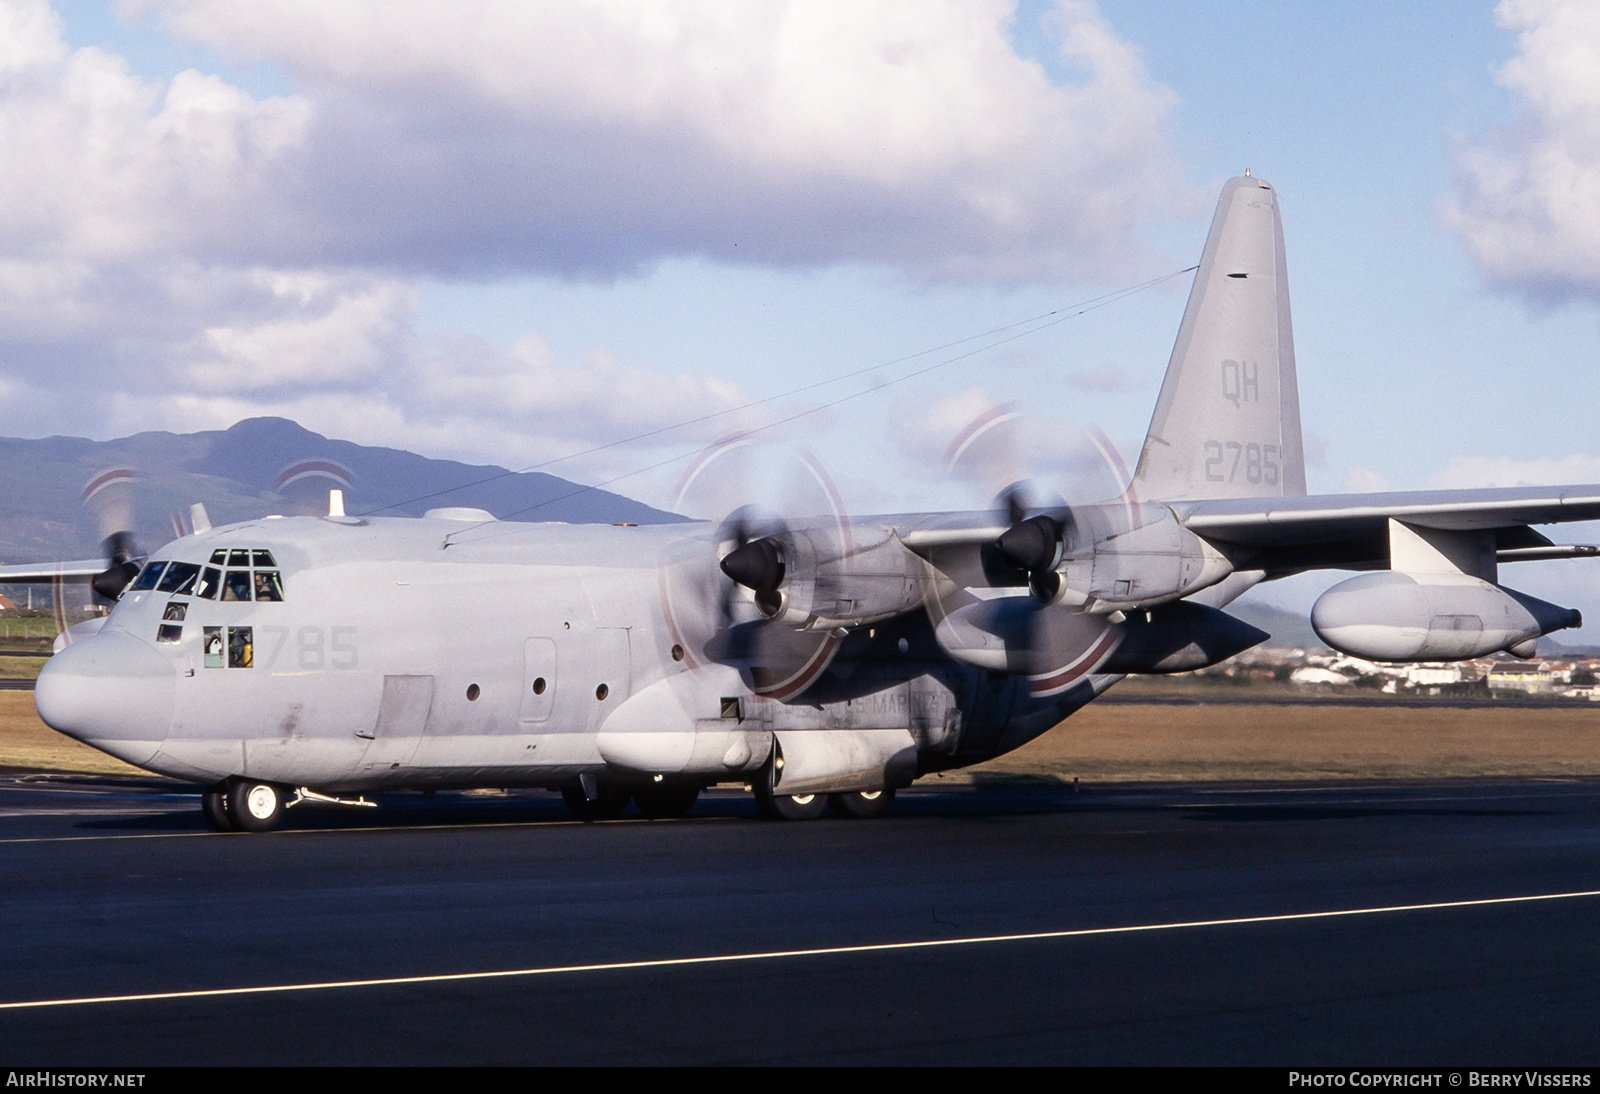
(819, 578)
(1391, 616)
(1155, 563)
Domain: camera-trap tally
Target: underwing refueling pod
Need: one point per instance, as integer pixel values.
(821, 659)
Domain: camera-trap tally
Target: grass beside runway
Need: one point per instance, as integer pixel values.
(1312, 741)
(27, 744)
(1139, 742)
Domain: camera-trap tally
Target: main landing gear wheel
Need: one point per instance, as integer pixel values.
(214, 804)
(255, 807)
(608, 804)
(664, 800)
(861, 804)
(792, 807)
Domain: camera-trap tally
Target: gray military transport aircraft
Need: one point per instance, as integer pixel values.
(823, 662)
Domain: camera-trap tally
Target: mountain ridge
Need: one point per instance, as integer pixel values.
(234, 473)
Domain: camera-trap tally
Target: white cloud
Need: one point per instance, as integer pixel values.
(1468, 472)
(1527, 198)
(593, 137)
(335, 332)
(180, 254)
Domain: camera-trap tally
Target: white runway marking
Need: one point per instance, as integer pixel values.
(775, 955)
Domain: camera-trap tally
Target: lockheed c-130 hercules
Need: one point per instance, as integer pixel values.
(824, 662)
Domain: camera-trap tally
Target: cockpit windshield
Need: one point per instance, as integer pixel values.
(251, 574)
(148, 576)
(179, 578)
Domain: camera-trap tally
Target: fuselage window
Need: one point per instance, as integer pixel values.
(179, 578)
(241, 647)
(268, 585)
(210, 581)
(236, 585)
(213, 647)
(148, 576)
(170, 632)
(175, 611)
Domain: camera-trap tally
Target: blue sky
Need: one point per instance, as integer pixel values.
(359, 221)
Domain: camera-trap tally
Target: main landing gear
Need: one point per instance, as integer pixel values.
(243, 805)
(596, 802)
(591, 800)
(861, 804)
(855, 804)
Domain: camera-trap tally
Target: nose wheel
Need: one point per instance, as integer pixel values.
(243, 805)
(214, 805)
(255, 807)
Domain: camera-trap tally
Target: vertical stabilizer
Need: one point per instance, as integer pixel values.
(1227, 423)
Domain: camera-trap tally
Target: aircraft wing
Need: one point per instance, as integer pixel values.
(79, 570)
(1351, 530)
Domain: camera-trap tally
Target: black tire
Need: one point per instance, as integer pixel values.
(787, 807)
(608, 805)
(861, 804)
(666, 800)
(214, 806)
(254, 806)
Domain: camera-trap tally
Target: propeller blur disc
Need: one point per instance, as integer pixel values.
(722, 592)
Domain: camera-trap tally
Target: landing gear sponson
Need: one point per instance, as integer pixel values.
(246, 805)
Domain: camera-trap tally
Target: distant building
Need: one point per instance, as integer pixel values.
(1310, 675)
(1432, 676)
(1521, 676)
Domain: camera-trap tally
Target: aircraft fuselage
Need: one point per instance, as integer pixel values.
(393, 660)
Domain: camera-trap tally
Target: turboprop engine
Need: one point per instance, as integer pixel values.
(825, 575)
(1394, 616)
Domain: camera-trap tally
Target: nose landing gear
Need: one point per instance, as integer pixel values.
(243, 805)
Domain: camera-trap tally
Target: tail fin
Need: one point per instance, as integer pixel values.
(1227, 423)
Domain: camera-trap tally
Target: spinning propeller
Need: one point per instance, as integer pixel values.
(741, 595)
(1009, 604)
(109, 496)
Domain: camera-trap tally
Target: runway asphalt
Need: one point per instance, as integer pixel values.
(1004, 923)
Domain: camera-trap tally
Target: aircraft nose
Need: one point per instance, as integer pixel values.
(111, 691)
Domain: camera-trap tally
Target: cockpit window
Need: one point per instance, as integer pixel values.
(252, 575)
(179, 578)
(148, 576)
(236, 585)
(268, 584)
